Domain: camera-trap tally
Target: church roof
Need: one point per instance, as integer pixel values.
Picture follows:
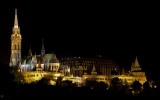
(51, 58)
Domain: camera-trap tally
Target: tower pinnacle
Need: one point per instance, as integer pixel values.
(30, 51)
(135, 65)
(16, 38)
(43, 49)
(94, 71)
(15, 19)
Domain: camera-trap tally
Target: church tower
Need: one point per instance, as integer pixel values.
(15, 43)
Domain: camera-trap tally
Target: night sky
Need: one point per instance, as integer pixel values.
(115, 30)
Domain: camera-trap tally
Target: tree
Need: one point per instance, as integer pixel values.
(91, 83)
(59, 81)
(146, 86)
(146, 89)
(102, 85)
(43, 81)
(136, 86)
(115, 86)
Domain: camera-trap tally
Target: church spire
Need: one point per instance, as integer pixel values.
(135, 65)
(30, 51)
(43, 49)
(15, 19)
(94, 71)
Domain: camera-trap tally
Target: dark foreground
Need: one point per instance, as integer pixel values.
(43, 91)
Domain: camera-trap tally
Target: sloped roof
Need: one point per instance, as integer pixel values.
(51, 58)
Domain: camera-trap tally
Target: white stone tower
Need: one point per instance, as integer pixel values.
(15, 43)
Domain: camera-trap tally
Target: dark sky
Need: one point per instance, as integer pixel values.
(117, 30)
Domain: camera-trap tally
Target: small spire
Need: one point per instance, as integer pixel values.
(30, 51)
(35, 57)
(43, 49)
(94, 69)
(135, 65)
(136, 62)
(15, 19)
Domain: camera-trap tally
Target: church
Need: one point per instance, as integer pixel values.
(31, 65)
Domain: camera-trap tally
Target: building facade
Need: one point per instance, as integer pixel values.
(135, 74)
(78, 66)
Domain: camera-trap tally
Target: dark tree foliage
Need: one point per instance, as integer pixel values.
(136, 85)
(43, 81)
(6, 77)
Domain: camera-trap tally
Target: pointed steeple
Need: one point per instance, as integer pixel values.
(135, 65)
(15, 43)
(30, 51)
(15, 19)
(94, 71)
(43, 49)
(35, 57)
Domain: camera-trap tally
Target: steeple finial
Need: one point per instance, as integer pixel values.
(15, 19)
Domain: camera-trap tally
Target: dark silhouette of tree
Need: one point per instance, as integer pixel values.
(146, 86)
(115, 86)
(147, 89)
(43, 81)
(59, 81)
(91, 83)
(136, 86)
(102, 85)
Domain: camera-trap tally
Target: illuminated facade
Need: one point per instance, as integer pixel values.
(32, 67)
(134, 75)
(77, 69)
(78, 66)
(15, 43)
